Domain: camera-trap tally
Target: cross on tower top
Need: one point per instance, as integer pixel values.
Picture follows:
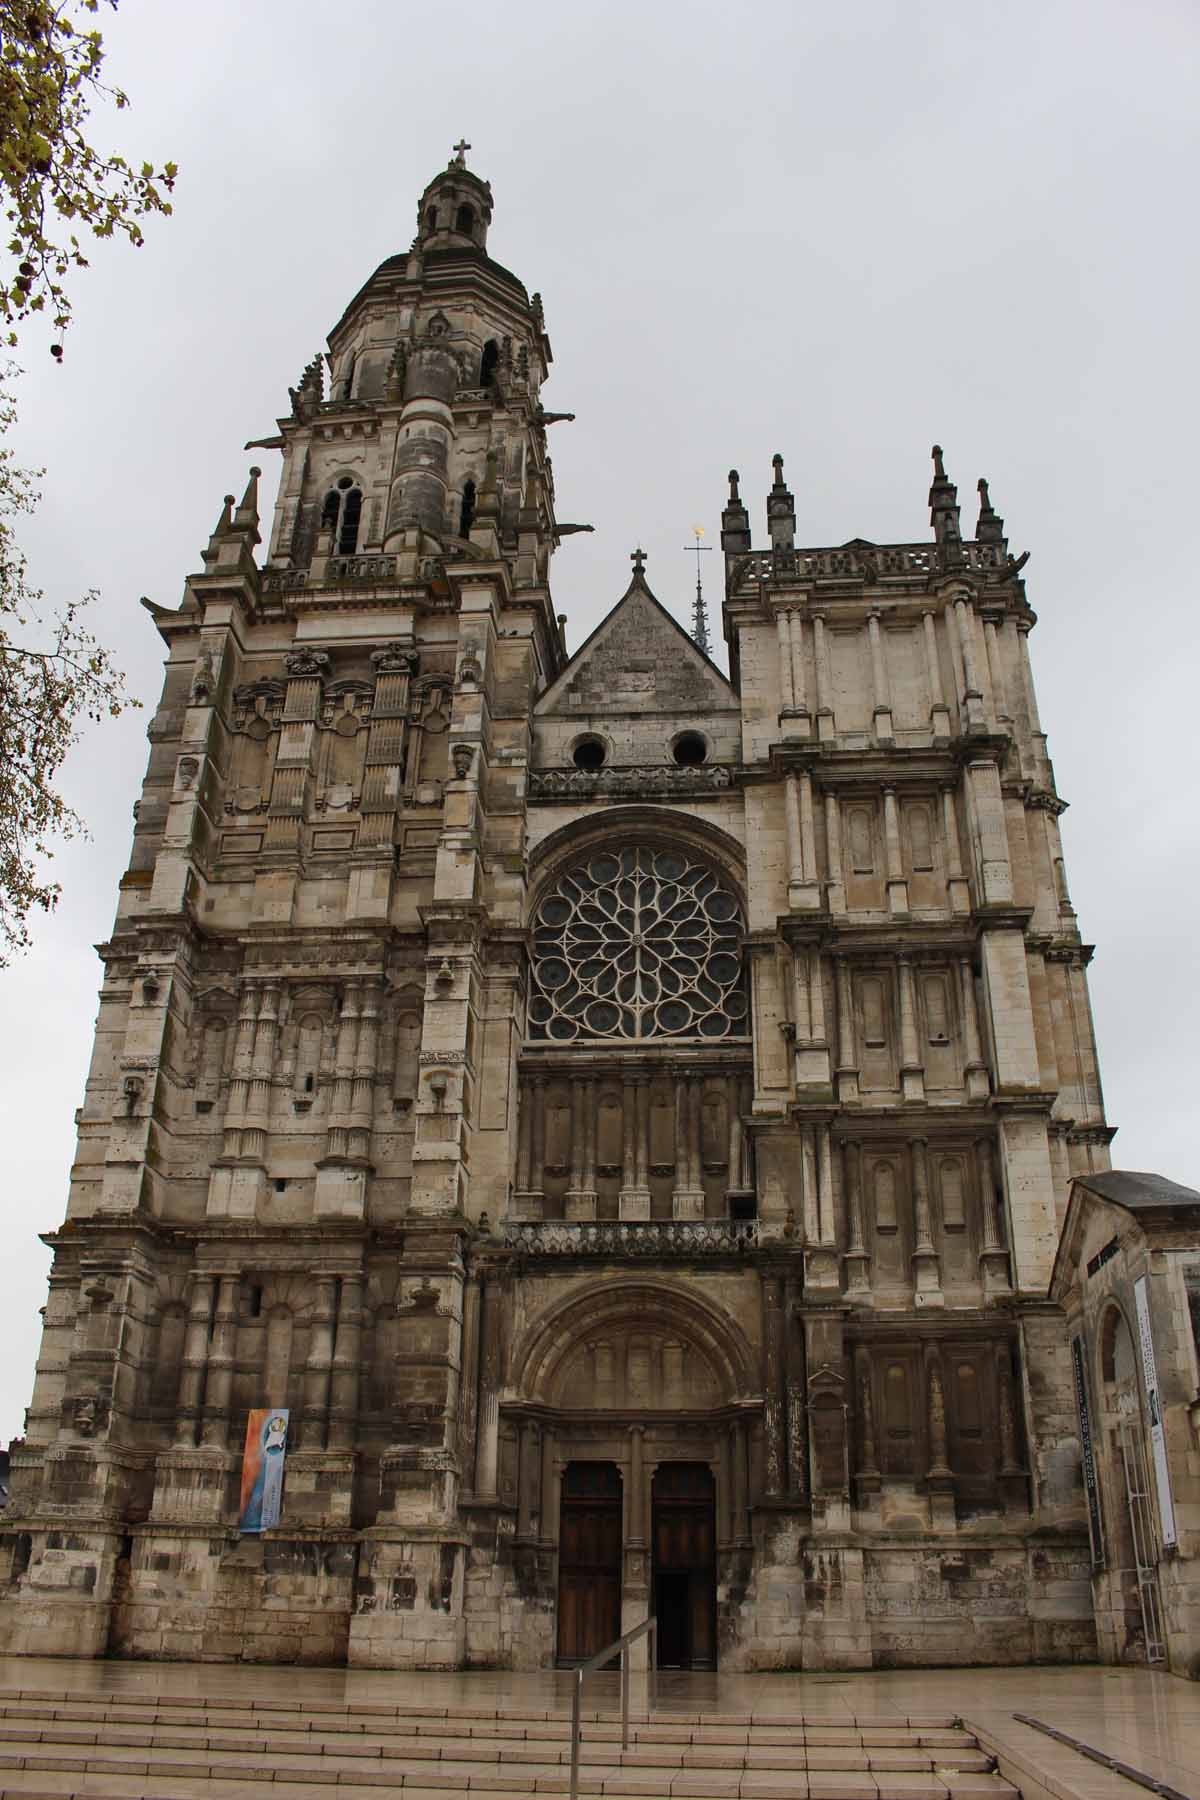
(460, 152)
(638, 559)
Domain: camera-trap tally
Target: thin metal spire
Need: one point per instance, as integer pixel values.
(700, 635)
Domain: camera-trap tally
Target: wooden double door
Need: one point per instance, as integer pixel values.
(683, 1563)
(589, 1560)
(684, 1566)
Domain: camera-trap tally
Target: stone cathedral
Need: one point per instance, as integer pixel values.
(623, 1115)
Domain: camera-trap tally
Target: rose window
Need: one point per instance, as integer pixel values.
(638, 943)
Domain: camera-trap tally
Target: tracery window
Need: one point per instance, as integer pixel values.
(638, 943)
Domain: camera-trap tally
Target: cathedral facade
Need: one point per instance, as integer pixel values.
(615, 1119)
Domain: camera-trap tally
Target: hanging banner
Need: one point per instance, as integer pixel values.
(262, 1469)
(1158, 1441)
(1090, 1487)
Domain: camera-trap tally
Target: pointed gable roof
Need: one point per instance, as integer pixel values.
(639, 659)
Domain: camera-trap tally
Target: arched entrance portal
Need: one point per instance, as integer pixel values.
(635, 1425)
(684, 1569)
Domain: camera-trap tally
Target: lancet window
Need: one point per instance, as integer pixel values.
(637, 944)
(341, 514)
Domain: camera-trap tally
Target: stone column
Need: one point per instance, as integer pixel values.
(858, 1285)
(787, 695)
(347, 1365)
(524, 1114)
(262, 1067)
(958, 891)
(627, 1198)
(546, 1520)
(318, 1369)
(741, 1522)
(537, 1141)
(939, 1481)
(939, 714)
(884, 729)
(1041, 771)
(643, 1137)
(774, 1442)
(528, 1476)
(634, 1199)
(833, 850)
(797, 1411)
(468, 1388)
(938, 1464)
(847, 1059)
(239, 1080)
(193, 1366)
(994, 1271)
(487, 1443)
(687, 1199)
(337, 1141)
(579, 1203)
(897, 884)
(362, 1098)
(808, 837)
(926, 1274)
(975, 1075)
(637, 1488)
(795, 844)
(912, 1069)
(394, 669)
(972, 699)
(868, 1458)
(826, 723)
(214, 1431)
(996, 670)
(725, 1512)
(825, 1179)
(796, 652)
(808, 1175)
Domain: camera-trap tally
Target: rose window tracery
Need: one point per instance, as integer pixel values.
(638, 943)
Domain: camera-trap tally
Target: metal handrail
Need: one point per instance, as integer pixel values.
(648, 1625)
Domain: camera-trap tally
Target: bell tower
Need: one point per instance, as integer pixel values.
(296, 1109)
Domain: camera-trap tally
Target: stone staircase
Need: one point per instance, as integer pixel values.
(159, 1747)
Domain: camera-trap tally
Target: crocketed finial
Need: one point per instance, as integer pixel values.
(990, 529)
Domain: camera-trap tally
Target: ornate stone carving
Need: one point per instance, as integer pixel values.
(203, 677)
(652, 781)
(307, 662)
(668, 1238)
(394, 661)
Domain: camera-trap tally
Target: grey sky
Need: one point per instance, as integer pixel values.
(839, 232)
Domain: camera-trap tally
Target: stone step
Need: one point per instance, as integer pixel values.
(664, 1713)
(18, 1719)
(468, 1752)
(160, 1785)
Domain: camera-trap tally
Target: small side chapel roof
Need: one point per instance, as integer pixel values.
(638, 590)
(1133, 1190)
(1138, 1192)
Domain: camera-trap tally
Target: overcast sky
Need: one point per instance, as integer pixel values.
(841, 232)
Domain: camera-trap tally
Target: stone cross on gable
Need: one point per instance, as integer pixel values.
(638, 559)
(460, 152)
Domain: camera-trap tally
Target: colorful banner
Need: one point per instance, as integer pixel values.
(1158, 1441)
(262, 1468)
(1090, 1486)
